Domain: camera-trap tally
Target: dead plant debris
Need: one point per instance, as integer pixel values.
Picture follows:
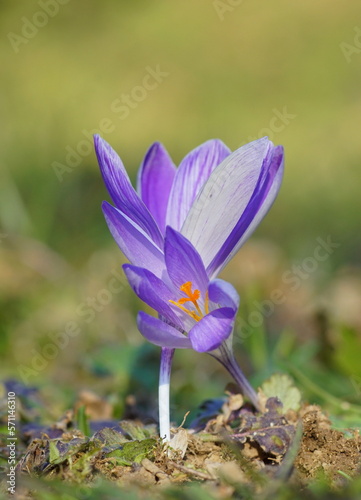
(227, 444)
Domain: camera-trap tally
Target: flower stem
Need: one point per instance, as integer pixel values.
(163, 394)
(226, 357)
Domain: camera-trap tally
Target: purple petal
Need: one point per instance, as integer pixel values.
(155, 179)
(223, 293)
(212, 330)
(261, 201)
(184, 262)
(224, 198)
(121, 190)
(160, 333)
(191, 175)
(136, 245)
(152, 291)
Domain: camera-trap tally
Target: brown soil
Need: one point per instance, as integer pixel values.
(324, 450)
(237, 446)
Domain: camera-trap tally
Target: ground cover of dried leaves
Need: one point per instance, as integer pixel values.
(227, 445)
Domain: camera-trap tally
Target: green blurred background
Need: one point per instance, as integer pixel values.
(229, 70)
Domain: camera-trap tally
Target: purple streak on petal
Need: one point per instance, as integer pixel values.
(191, 175)
(183, 261)
(152, 291)
(133, 241)
(160, 333)
(155, 179)
(121, 190)
(223, 199)
(212, 330)
(223, 293)
(261, 201)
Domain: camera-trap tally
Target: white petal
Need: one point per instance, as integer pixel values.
(266, 205)
(223, 198)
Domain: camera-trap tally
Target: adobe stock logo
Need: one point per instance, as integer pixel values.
(349, 49)
(222, 7)
(86, 312)
(277, 124)
(30, 27)
(120, 109)
(292, 279)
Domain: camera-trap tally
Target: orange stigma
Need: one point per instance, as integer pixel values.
(193, 297)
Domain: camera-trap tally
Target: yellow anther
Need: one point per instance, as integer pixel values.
(193, 297)
(206, 303)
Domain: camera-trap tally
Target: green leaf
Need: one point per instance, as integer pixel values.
(54, 453)
(133, 430)
(282, 387)
(82, 421)
(61, 451)
(110, 437)
(347, 352)
(132, 452)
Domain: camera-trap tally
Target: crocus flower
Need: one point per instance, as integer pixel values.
(179, 231)
(193, 312)
(215, 198)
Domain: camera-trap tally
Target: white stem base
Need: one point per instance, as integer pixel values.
(163, 393)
